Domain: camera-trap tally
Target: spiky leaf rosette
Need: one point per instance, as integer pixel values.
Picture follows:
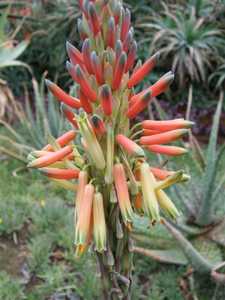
(104, 153)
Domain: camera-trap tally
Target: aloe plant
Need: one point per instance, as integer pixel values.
(34, 126)
(199, 233)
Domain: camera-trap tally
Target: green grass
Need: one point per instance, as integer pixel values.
(36, 234)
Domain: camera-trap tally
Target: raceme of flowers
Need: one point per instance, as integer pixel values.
(103, 158)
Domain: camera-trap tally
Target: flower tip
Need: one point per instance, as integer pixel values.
(48, 82)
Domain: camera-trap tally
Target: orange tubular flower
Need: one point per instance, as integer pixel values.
(150, 203)
(82, 230)
(129, 146)
(163, 138)
(51, 158)
(161, 174)
(82, 182)
(166, 125)
(141, 72)
(119, 71)
(122, 193)
(62, 96)
(99, 224)
(106, 99)
(85, 86)
(60, 173)
(167, 150)
(62, 140)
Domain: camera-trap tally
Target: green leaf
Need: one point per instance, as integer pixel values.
(9, 55)
(210, 171)
(172, 256)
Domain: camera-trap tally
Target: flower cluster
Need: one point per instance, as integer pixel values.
(104, 153)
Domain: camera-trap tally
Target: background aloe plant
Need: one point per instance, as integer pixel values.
(37, 121)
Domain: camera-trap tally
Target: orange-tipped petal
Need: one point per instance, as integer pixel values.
(51, 158)
(129, 146)
(163, 138)
(119, 71)
(82, 229)
(144, 70)
(106, 99)
(60, 173)
(166, 125)
(62, 140)
(122, 193)
(62, 96)
(167, 150)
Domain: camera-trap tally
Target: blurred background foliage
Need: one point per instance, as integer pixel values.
(35, 226)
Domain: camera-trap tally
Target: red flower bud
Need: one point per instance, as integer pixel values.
(125, 24)
(163, 138)
(161, 174)
(119, 71)
(129, 146)
(62, 96)
(94, 20)
(98, 125)
(140, 104)
(61, 173)
(97, 67)
(85, 101)
(131, 56)
(85, 86)
(62, 140)
(74, 54)
(166, 125)
(106, 99)
(50, 158)
(86, 51)
(70, 116)
(128, 41)
(142, 71)
(111, 33)
(167, 150)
